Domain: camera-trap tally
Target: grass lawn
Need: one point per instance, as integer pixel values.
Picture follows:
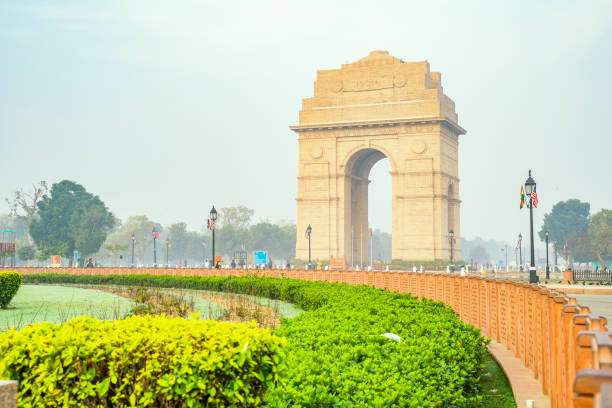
(57, 304)
(496, 389)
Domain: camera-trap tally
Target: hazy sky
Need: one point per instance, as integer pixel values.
(164, 108)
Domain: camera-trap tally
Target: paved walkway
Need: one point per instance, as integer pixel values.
(524, 386)
(599, 304)
(597, 297)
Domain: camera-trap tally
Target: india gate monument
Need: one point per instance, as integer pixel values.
(377, 107)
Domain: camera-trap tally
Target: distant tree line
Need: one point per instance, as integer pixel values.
(67, 218)
(577, 235)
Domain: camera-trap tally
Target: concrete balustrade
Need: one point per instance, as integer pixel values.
(567, 348)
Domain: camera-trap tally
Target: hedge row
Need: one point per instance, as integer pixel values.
(9, 285)
(336, 354)
(141, 361)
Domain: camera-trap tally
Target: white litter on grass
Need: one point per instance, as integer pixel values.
(392, 336)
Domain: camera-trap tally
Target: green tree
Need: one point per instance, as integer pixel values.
(69, 219)
(278, 240)
(566, 219)
(24, 204)
(26, 253)
(141, 227)
(238, 217)
(381, 246)
(185, 244)
(600, 235)
(115, 251)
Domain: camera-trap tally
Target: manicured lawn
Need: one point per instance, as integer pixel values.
(496, 390)
(57, 304)
(49, 303)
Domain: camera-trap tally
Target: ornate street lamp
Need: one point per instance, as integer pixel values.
(547, 267)
(520, 245)
(530, 186)
(211, 225)
(451, 235)
(133, 242)
(308, 232)
(155, 236)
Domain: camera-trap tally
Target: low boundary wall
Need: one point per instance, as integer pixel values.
(566, 347)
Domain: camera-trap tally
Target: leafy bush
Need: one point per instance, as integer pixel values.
(336, 354)
(9, 285)
(141, 361)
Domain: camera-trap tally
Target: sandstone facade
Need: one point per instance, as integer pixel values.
(377, 107)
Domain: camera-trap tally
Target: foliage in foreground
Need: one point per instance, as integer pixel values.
(141, 361)
(336, 354)
(9, 285)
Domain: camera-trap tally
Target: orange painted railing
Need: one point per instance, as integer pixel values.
(568, 349)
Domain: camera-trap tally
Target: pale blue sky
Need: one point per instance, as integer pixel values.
(164, 108)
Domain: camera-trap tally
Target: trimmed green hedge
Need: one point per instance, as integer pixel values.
(336, 354)
(9, 285)
(427, 265)
(141, 361)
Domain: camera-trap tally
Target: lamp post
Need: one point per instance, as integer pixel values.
(451, 236)
(520, 245)
(547, 266)
(213, 219)
(133, 242)
(155, 235)
(516, 255)
(530, 185)
(308, 232)
(167, 250)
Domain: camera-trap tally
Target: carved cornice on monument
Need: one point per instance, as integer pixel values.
(313, 127)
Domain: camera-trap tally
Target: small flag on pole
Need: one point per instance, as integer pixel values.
(534, 197)
(522, 198)
(370, 231)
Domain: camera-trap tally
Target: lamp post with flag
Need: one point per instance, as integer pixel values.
(212, 218)
(530, 190)
(155, 236)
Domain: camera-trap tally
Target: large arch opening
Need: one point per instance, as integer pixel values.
(368, 207)
(380, 211)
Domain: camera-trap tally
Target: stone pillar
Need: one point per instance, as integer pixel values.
(8, 394)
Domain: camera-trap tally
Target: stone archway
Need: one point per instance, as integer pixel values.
(378, 107)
